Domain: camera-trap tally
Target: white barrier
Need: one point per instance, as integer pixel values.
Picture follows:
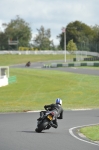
(3, 81)
(4, 74)
(74, 64)
(53, 52)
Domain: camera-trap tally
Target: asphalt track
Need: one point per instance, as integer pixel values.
(39, 65)
(17, 130)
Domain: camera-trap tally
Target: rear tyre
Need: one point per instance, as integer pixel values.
(42, 126)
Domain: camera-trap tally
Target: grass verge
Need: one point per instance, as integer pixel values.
(9, 59)
(34, 88)
(91, 132)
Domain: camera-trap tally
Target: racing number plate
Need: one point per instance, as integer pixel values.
(49, 117)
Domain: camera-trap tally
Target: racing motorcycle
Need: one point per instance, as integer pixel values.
(44, 122)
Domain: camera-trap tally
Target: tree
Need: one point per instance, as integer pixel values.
(19, 30)
(3, 41)
(42, 40)
(79, 32)
(71, 46)
(95, 44)
(96, 33)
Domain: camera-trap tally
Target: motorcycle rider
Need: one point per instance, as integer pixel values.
(28, 64)
(58, 111)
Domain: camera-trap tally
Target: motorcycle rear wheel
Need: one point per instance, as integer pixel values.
(42, 126)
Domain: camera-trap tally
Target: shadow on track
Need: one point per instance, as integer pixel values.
(31, 132)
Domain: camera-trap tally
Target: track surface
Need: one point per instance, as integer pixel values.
(39, 65)
(17, 130)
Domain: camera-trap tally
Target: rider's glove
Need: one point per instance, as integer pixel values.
(45, 106)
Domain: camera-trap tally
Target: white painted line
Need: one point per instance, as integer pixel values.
(71, 110)
(71, 132)
(81, 109)
(74, 68)
(37, 67)
(34, 111)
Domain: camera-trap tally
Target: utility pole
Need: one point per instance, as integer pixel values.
(64, 31)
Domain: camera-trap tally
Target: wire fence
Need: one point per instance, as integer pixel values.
(92, 47)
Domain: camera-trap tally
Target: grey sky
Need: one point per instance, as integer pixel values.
(53, 14)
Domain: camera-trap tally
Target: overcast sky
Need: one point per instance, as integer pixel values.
(53, 14)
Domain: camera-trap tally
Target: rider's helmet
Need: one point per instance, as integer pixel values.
(59, 101)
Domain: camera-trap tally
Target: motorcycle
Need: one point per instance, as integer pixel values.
(44, 122)
(28, 64)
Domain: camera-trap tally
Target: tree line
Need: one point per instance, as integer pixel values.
(18, 33)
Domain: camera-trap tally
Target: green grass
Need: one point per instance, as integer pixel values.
(9, 59)
(91, 132)
(34, 88)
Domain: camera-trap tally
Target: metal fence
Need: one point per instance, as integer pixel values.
(92, 47)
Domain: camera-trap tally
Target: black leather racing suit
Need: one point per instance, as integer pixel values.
(58, 113)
